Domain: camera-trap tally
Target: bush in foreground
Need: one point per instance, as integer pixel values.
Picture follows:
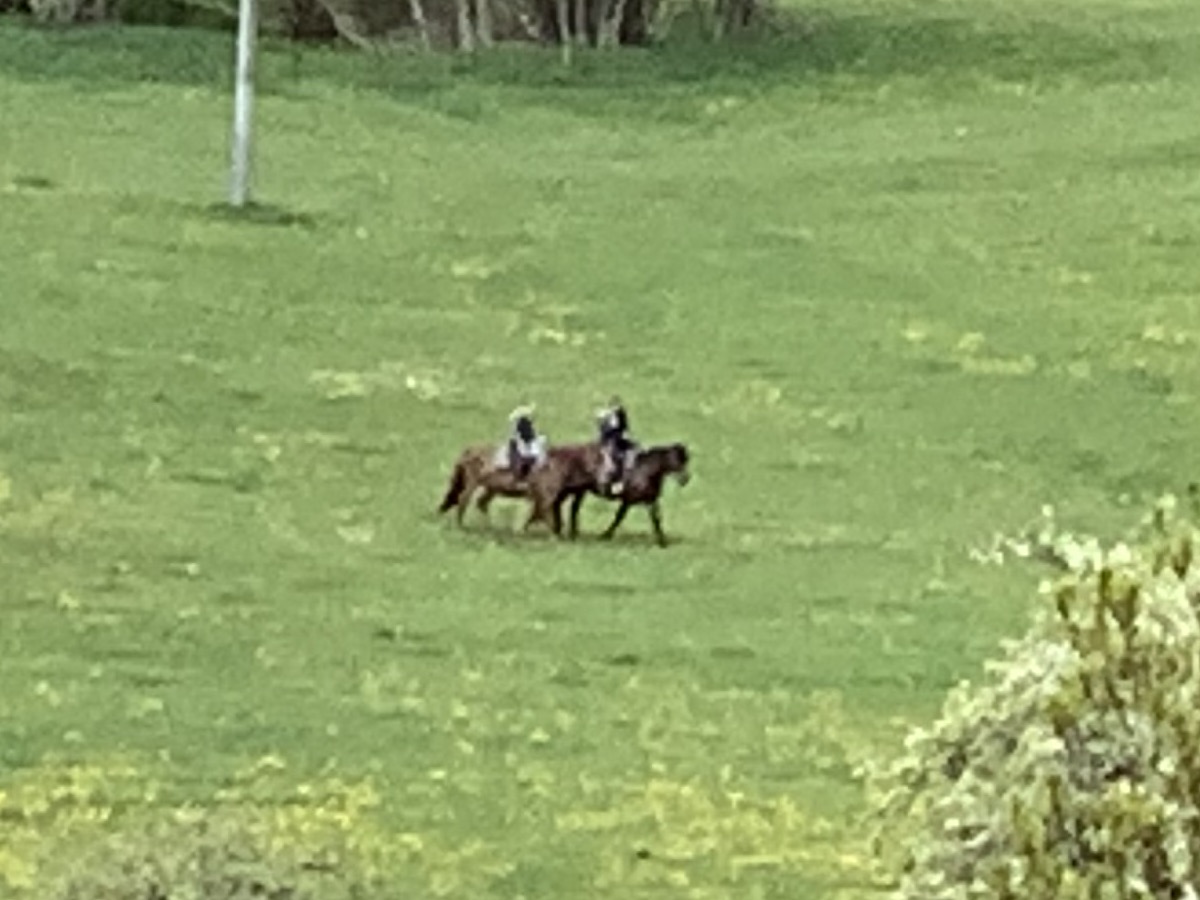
(1074, 770)
(201, 855)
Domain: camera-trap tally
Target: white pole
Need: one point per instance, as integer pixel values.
(243, 102)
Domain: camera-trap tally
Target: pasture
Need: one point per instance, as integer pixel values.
(897, 278)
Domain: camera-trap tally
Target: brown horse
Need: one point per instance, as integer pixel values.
(570, 465)
(574, 472)
(476, 469)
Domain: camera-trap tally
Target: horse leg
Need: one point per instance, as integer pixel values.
(537, 511)
(617, 519)
(534, 515)
(576, 502)
(556, 515)
(464, 500)
(484, 501)
(537, 505)
(656, 521)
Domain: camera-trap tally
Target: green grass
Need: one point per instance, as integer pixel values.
(222, 438)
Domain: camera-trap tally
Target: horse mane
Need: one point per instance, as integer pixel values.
(664, 449)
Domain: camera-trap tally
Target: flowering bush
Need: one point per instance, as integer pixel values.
(200, 854)
(1074, 770)
(98, 832)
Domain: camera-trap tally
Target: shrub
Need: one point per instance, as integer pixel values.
(175, 13)
(1074, 769)
(201, 855)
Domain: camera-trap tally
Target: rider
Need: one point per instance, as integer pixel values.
(525, 448)
(617, 445)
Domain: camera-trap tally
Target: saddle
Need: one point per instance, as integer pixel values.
(623, 454)
(619, 459)
(516, 458)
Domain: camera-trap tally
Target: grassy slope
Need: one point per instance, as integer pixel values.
(774, 256)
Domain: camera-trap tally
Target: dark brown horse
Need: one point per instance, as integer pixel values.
(573, 471)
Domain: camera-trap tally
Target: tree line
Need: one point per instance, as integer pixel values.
(432, 25)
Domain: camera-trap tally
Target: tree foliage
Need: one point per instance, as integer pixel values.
(427, 24)
(1074, 769)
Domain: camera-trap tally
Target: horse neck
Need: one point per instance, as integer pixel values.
(658, 461)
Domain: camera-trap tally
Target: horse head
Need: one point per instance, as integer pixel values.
(677, 463)
(667, 459)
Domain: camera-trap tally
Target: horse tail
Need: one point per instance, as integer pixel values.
(458, 481)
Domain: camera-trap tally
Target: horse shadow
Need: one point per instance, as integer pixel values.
(509, 534)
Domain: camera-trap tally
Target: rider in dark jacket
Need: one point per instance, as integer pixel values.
(618, 446)
(525, 448)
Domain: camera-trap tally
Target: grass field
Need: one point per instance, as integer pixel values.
(897, 278)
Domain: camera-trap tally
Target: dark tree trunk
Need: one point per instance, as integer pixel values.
(634, 26)
(308, 20)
